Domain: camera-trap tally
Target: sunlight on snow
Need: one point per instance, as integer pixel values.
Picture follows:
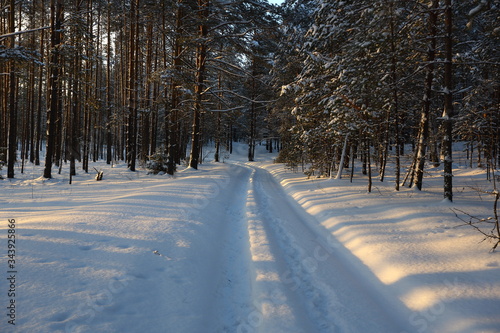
(267, 276)
(390, 274)
(422, 298)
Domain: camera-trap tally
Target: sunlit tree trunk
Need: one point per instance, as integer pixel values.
(12, 156)
(56, 19)
(38, 126)
(109, 135)
(30, 139)
(201, 54)
(132, 91)
(423, 134)
(146, 116)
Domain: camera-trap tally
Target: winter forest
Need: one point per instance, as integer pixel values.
(152, 82)
(134, 80)
(302, 166)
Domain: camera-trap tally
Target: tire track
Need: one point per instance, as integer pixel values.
(232, 298)
(312, 275)
(276, 309)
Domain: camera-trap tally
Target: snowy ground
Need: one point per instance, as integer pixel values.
(244, 247)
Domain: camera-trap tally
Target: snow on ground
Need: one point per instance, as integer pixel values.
(414, 245)
(244, 247)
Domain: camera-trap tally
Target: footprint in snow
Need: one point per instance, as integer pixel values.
(162, 255)
(59, 317)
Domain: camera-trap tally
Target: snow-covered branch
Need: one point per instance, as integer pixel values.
(2, 37)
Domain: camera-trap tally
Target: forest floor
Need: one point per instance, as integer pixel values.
(244, 247)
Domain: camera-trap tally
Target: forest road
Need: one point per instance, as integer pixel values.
(281, 271)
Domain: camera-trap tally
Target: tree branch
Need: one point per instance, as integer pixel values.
(2, 37)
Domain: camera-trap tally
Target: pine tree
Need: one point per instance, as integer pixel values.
(201, 57)
(448, 102)
(56, 19)
(12, 145)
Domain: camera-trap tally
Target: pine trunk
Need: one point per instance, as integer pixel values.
(56, 18)
(448, 103)
(109, 135)
(12, 156)
(201, 53)
(171, 122)
(132, 109)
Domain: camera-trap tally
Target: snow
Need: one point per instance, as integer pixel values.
(246, 247)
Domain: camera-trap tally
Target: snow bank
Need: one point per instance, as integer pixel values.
(414, 244)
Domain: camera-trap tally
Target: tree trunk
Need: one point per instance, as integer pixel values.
(109, 135)
(218, 121)
(12, 156)
(217, 137)
(38, 130)
(172, 138)
(251, 138)
(395, 99)
(201, 53)
(146, 129)
(342, 158)
(253, 117)
(30, 138)
(369, 166)
(132, 91)
(429, 77)
(448, 103)
(56, 19)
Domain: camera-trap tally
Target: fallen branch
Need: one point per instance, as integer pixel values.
(479, 223)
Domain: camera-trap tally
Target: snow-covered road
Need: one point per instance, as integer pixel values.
(301, 279)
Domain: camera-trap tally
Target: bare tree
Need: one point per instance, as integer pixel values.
(489, 227)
